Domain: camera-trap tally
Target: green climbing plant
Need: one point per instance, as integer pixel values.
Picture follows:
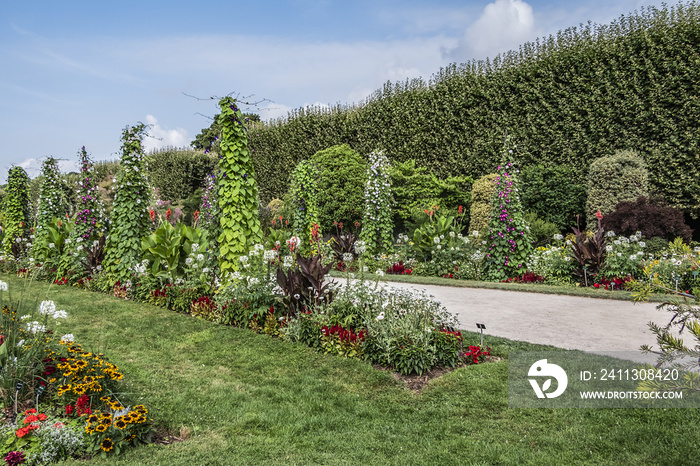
(237, 190)
(509, 242)
(52, 205)
(16, 209)
(130, 219)
(304, 196)
(378, 227)
(90, 221)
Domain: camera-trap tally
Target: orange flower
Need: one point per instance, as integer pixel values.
(598, 214)
(196, 215)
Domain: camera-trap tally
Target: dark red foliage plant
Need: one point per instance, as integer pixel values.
(652, 216)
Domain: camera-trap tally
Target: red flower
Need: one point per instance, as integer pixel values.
(598, 214)
(168, 214)
(459, 210)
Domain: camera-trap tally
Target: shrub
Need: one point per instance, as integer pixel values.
(342, 176)
(482, 192)
(612, 179)
(653, 217)
(554, 194)
(541, 231)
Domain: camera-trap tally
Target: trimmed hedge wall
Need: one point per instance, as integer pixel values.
(568, 99)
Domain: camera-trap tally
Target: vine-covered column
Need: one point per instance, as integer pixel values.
(378, 227)
(130, 219)
(16, 210)
(304, 193)
(509, 241)
(237, 190)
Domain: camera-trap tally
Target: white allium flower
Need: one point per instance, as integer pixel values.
(35, 327)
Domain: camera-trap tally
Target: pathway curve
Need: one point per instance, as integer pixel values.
(569, 322)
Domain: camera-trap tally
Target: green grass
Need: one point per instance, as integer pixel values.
(568, 290)
(250, 399)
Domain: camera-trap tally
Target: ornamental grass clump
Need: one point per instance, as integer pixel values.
(509, 243)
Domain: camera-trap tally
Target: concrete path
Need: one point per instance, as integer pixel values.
(568, 322)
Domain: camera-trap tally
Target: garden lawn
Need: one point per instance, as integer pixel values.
(245, 398)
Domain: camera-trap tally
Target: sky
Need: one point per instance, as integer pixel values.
(75, 73)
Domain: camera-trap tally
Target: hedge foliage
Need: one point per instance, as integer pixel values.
(567, 99)
(177, 173)
(555, 194)
(619, 177)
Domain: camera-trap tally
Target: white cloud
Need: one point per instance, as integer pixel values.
(502, 26)
(162, 137)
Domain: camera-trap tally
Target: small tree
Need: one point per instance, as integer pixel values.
(509, 242)
(480, 210)
(378, 228)
(130, 220)
(16, 210)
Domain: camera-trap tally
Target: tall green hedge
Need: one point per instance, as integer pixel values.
(567, 99)
(177, 173)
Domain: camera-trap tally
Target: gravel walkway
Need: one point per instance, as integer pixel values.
(569, 322)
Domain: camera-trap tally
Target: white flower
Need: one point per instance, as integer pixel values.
(558, 237)
(253, 280)
(205, 270)
(3, 286)
(296, 296)
(200, 257)
(610, 234)
(439, 246)
(360, 247)
(617, 242)
(436, 240)
(35, 327)
(633, 257)
(380, 316)
(365, 269)
(379, 273)
(51, 245)
(68, 241)
(195, 247)
(567, 258)
(20, 343)
(347, 257)
(188, 261)
(79, 248)
(68, 338)
(60, 315)
(243, 259)
(452, 234)
(47, 307)
(638, 234)
(25, 317)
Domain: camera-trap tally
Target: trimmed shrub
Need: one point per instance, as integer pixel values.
(554, 194)
(480, 210)
(619, 177)
(341, 181)
(653, 217)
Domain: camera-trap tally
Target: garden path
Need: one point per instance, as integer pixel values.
(568, 322)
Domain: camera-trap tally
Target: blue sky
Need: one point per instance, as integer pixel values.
(76, 72)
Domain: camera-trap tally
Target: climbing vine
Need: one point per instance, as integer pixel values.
(52, 203)
(130, 219)
(16, 208)
(509, 242)
(378, 227)
(89, 219)
(237, 190)
(305, 194)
